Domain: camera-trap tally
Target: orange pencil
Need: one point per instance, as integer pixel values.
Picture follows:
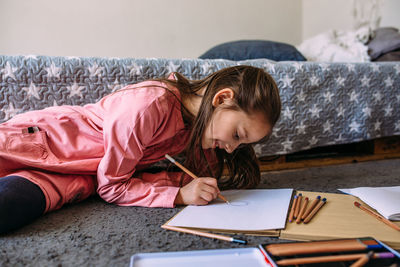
(332, 258)
(376, 215)
(315, 247)
(315, 210)
(302, 210)
(298, 203)
(312, 206)
(291, 214)
(363, 260)
(191, 174)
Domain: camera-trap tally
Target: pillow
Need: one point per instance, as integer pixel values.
(385, 40)
(390, 56)
(252, 49)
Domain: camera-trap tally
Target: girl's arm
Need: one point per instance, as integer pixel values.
(127, 131)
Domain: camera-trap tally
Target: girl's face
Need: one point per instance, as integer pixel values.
(230, 128)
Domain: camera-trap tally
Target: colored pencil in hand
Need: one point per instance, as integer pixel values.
(191, 174)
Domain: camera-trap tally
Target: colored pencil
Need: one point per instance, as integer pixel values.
(204, 234)
(315, 210)
(312, 206)
(302, 210)
(291, 214)
(266, 257)
(332, 258)
(191, 174)
(363, 260)
(298, 203)
(376, 215)
(340, 245)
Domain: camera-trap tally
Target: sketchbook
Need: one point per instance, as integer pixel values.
(339, 218)
(255, 211)
(385, 200)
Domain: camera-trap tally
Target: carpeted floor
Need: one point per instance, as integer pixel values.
(94, 233)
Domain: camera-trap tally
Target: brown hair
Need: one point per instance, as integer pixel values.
(255, 91)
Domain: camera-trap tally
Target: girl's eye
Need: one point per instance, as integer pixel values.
(237, 137)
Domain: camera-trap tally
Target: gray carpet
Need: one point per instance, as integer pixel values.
(94, 233)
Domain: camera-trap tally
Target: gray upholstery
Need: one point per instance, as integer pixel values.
(323, 103)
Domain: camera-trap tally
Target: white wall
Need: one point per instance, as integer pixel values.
(390, 12)
(165, 28)
(322, 15)
(141, 28)
(319, 16)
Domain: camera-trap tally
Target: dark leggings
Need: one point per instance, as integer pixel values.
(21, 202)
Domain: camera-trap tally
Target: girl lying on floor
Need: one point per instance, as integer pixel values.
(64, 154)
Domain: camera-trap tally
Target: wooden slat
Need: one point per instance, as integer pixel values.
(324, 162)
(383, 148)
(387, 145)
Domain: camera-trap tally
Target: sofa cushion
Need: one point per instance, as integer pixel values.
(386, 40)
(253, 49)
(389, 56)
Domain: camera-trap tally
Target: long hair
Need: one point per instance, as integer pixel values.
(254, 91)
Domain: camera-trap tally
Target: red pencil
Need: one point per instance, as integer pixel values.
(298, 203)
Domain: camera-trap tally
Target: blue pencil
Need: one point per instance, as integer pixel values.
(315, 210)
(205, 234)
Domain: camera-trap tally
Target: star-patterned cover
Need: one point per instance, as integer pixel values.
(322, 103)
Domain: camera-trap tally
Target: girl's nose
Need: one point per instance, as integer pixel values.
(231, 147)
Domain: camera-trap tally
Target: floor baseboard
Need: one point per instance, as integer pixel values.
(376, 149)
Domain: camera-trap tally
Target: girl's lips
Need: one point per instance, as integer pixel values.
(215, 144)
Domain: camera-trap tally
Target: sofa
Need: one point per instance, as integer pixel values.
(322, 103)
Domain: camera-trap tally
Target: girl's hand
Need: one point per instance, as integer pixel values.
(198, 192)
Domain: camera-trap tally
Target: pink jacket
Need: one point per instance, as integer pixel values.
(113, 140)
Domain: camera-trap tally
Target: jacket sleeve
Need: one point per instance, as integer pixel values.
(127, 131)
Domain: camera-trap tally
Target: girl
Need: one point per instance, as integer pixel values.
(64, 154)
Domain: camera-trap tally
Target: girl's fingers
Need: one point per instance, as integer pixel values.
(201, 202)
(210, 186)
(211, 190)
(208, 196)
(210, 181)
(200, 191)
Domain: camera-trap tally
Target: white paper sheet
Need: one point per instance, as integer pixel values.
(249, 210)
(385, 200)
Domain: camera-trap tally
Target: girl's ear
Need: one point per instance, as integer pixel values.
(223, 96)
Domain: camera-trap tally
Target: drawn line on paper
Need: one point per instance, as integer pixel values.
(238, 203)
